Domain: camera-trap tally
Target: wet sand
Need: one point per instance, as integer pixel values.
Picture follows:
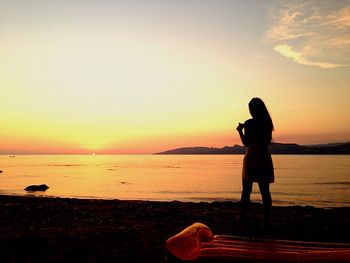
(36, 229)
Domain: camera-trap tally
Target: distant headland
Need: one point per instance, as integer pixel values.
(275, 148)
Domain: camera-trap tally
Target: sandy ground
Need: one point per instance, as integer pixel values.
(34, 229)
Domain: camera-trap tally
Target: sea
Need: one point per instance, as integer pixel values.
(306, 180)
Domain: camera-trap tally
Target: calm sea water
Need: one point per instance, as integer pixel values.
(321, 181)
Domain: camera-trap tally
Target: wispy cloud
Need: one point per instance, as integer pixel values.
(314, 33)
(340, 18)
(300, 58)
(288, 27)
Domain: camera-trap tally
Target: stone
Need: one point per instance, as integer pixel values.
(33, 188)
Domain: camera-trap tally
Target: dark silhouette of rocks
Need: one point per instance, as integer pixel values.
(237, 149)
(275, 148)
(33, 188)
(1, 171)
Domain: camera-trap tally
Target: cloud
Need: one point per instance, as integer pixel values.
(288, 27)
(341, 18)
(312, 31)
(298, 57)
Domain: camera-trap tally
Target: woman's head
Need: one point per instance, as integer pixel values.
(259, 111)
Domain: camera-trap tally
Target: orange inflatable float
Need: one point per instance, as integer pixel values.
(197, 241)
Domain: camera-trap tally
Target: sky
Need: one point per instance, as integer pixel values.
(138, 77)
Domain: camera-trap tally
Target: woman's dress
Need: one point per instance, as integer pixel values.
(257, 163)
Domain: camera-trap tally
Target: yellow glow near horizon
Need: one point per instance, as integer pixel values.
(101, 96)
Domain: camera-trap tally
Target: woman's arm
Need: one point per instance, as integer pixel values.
(240, 128)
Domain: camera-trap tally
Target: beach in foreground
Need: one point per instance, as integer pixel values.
(34, 229)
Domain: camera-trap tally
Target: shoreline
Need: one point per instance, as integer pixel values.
(39, 229)
(276, 203)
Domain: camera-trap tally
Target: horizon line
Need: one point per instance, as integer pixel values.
(93, 153)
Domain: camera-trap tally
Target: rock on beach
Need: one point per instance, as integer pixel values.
(33, 188)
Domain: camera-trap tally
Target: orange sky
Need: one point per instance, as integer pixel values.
(146, 76)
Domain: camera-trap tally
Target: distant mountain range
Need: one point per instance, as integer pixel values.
(275, 148)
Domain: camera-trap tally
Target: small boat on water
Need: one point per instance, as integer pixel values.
(198, 242)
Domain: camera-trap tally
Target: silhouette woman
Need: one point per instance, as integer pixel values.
(257, 163)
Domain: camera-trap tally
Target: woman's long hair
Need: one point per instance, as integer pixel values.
(260, 113)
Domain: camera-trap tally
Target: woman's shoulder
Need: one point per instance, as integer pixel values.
(249, 123)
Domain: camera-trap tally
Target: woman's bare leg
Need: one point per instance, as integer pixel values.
(267, 200)
(247, 186)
